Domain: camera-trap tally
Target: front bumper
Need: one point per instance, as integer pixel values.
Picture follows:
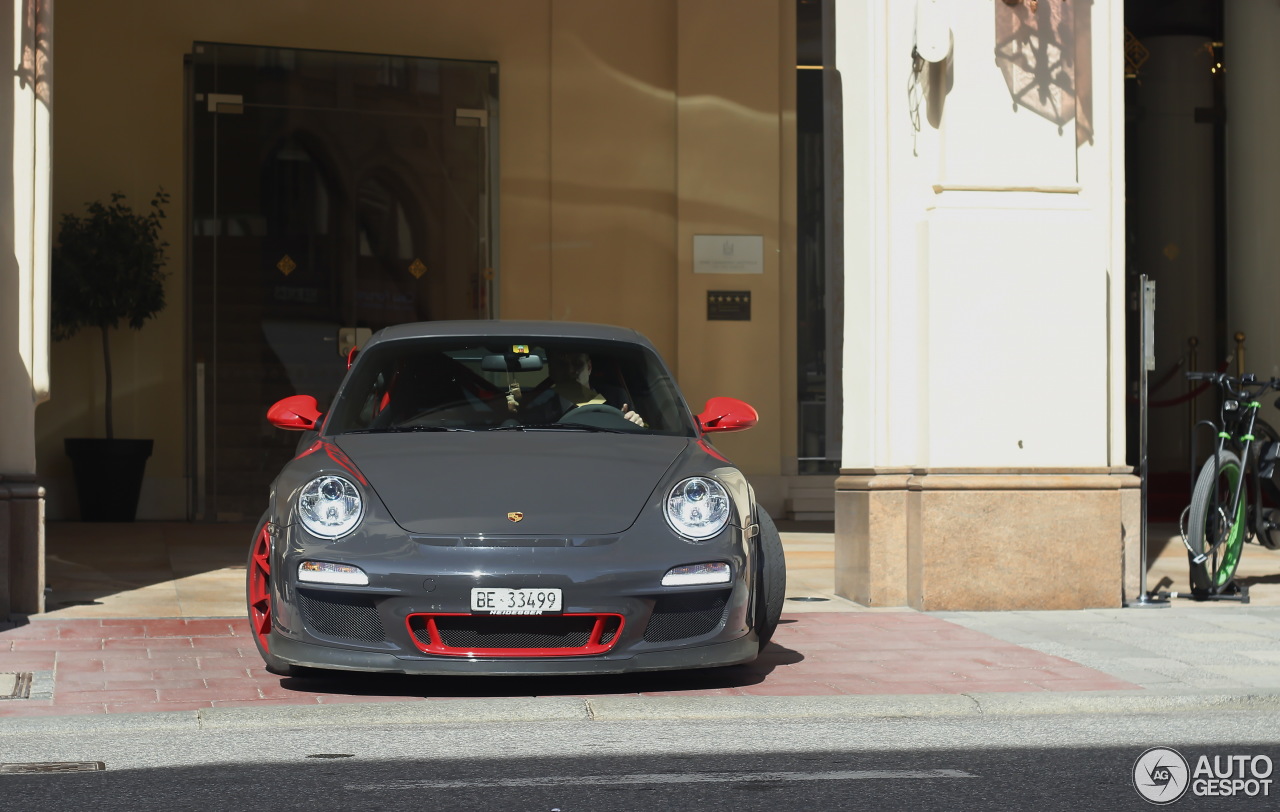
(381, 627)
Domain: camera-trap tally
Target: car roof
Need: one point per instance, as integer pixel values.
(500, 327)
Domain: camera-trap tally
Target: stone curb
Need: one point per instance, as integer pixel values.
(619, 709)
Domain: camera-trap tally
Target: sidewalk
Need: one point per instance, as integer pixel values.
(158, 625)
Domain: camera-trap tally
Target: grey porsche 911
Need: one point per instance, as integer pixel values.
(511, 498)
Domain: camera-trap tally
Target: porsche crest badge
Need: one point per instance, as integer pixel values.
(515, 516)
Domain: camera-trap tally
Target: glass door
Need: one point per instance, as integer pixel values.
(332, 194)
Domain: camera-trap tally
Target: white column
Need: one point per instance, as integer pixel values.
(24, 306)
(1253, 182)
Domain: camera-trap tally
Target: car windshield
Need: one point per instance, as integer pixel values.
(509, 384)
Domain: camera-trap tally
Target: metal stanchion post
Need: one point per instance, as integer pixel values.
(1147, 312)
(1193, 364)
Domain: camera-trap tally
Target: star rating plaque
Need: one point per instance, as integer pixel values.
(728, 305)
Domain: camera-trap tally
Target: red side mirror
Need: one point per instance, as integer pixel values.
(296, 412)
(727, 414)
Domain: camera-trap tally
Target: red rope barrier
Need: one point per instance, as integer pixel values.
(1199, 390)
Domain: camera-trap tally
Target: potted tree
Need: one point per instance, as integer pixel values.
(108, 267)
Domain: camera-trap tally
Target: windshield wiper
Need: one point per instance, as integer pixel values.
(559, 427)
(396, 429)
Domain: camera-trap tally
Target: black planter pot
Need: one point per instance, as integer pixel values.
(108, 477)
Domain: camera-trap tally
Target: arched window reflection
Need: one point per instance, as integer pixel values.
(393, 277)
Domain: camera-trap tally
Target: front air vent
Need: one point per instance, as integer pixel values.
(340, 615)
(676, 617)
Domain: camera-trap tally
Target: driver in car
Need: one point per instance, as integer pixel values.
(568, 382)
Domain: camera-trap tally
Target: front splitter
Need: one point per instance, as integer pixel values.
(294, 652)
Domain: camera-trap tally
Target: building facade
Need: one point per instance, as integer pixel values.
(926, 303)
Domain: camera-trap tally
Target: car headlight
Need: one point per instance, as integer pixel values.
(698, 508)
(330, 506)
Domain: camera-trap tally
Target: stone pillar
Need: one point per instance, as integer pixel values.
(24, 300)
(984, 293)
(21, 546)
(1253, 183)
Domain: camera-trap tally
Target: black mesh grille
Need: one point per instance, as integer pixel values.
(338, 615)
(678, 616)
(493, 632)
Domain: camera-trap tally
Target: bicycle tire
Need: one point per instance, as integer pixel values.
(1203, 529)
(1268, 535)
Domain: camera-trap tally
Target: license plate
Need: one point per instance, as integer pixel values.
(503, 601)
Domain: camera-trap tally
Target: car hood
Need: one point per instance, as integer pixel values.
(464, 483)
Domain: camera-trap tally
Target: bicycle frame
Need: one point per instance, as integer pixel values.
(1244, 421)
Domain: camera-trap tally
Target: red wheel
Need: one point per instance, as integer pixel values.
(258, 592)
(260, 589)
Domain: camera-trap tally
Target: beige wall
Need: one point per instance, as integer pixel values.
(626, 128)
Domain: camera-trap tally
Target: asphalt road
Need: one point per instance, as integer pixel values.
(988, 763)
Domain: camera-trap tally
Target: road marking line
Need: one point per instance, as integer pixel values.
(664, 778)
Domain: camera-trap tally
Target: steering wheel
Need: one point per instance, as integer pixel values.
(592, 408)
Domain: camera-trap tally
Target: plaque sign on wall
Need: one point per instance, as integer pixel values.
(728, 305)
(728, 253)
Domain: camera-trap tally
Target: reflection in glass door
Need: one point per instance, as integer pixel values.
(332, 194)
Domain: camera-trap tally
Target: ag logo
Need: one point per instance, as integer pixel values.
(515, 516)
(1161, 775)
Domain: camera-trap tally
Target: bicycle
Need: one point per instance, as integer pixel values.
(1235, 495)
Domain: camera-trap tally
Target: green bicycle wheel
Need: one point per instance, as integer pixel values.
(1208, 528)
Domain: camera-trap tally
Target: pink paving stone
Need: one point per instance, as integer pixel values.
(159, 656)
(155, 684)
(280, 692)
(155, 707)
(62, 697)
(804, 689)
(31, 631)
(203, 673)
(82, 682)
(73, 655)
(232, 682)
(824, 671)
(57, 645)
(149, 643)
(1012, 674)
(116, 630)
(894, 688)
(199, 627)
(896, 677)
(118, 669)
(60, 710)
(996, 686)
(224, 641)
(29, 661)
(247, 691)
(906, 669)
(216, 653)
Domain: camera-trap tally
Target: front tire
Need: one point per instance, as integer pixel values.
(1208, 528)
(771, 578)
(258, 597)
